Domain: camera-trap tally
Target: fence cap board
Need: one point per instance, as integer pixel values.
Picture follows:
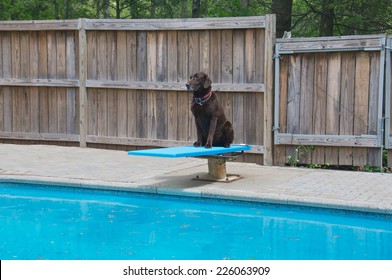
(176, 24)
(139, 24)
(38, 25)
(342, 43)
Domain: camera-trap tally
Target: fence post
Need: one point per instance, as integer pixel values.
(270, 33)
(82, 83)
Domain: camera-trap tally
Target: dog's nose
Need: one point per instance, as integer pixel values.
(188, 87)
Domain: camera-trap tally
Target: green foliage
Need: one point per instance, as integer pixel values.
(349, 16)
(301, 150)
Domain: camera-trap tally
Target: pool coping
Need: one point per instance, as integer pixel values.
(240, 196)
(116, 170)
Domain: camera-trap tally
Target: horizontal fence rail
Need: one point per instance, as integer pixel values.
(122, 82)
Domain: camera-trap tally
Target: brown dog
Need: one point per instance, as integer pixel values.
(213, 129)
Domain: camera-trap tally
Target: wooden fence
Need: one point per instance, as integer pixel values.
(122, 82)
(330, 100)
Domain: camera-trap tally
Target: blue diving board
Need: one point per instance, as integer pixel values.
(189, 151)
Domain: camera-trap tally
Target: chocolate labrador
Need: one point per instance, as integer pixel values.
(213, 129)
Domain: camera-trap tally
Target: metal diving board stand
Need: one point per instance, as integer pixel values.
(217, 157)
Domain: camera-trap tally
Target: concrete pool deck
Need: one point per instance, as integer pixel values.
(109, 169)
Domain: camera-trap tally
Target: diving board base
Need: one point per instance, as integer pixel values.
(229, 178)
(217, 171)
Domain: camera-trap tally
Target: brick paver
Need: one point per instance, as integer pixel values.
(115, 169)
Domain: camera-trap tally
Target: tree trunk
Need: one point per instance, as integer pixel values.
(283, 11)
(56, 9)
(196, 8)
(152, 8)
(106, 8)
(245, 4)
(118, 9)
(327, 18)
(184, 9)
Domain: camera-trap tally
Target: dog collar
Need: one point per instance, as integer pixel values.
(201, 100)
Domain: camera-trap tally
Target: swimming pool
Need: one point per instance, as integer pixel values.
(43, 222)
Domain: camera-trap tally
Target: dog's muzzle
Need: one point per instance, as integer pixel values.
(188, 87)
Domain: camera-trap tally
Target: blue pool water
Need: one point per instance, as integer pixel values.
(38, 222)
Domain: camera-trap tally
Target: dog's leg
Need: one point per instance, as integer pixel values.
(199, 140)
(211, 132)
(228, 132)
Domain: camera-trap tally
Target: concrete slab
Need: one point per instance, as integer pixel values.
(95, 168)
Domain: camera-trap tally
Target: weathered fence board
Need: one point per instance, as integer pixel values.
(388, 101)
(331, 89)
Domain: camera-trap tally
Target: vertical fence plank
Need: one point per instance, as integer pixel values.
(7, 95)
(17, 94)
(194, 52)
(204, 42)
(132, 117)
(141, 109)
(34, 91)
(347, 105)
(24, 73)
(43, 73)
(52, 92)
(112, 94)
(184, 71)
(151, 77)
(319, 104)
(333, 108)
(361, 105)
(89, 47)
(72, 65)
(61, 74)
(227, 56)
(374, 154)
(162, 76)
(151, 56)
(306, 103)
(238, 77)
(121, 75)
(102, 74)
(194, 66)
(132, 75)
(293, 100)
(215, 71)
(172, 69)
(280, 157)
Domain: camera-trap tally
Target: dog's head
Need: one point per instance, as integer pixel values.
(199, 83)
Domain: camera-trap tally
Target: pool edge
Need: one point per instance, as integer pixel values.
(282, 199)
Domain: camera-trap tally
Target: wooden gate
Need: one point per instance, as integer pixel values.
(329, 100)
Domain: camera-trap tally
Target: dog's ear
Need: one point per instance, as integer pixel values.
(207, 82)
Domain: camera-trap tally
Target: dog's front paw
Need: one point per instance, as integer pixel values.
(226, 145)
(208, 146)
(196, 144)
